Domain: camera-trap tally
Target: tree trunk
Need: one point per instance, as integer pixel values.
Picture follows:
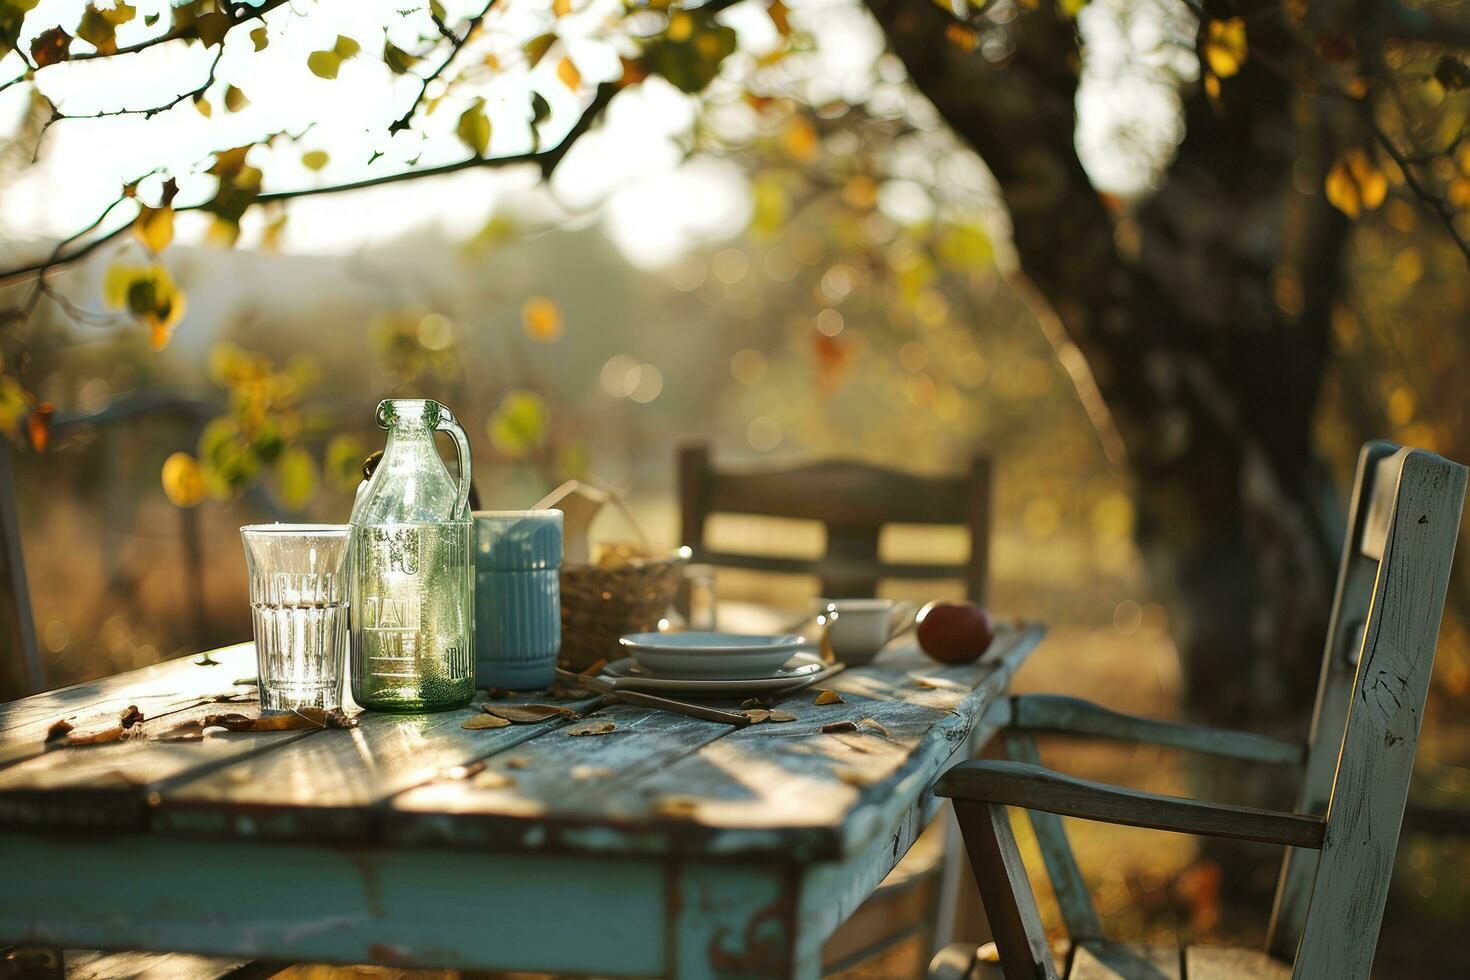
(1203, 318)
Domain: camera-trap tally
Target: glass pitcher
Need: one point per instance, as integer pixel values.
(413, 584)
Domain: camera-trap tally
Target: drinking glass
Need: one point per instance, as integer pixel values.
(298, 601)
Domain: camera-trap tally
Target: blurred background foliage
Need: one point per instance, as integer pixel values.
(788, 251)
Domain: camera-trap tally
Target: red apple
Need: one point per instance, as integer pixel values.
(954, 632)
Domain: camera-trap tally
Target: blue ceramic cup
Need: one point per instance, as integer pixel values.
(517, 597)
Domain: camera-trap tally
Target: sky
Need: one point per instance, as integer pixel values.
(633, 173)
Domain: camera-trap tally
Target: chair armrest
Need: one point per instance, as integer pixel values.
(1071, 716)
(1039, 788)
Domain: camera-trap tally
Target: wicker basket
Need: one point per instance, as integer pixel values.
(599, 605)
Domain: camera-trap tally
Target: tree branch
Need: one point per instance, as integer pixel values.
(456, 44)
(546, 159)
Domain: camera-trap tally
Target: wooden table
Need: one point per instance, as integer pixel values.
(672, 846)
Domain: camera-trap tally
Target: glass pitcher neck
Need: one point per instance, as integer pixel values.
(409, 415)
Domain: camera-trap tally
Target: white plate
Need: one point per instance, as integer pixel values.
(708, 655)
(802, 668)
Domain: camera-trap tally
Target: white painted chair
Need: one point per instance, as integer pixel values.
(1341, 840)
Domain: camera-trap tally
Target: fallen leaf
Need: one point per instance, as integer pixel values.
(829, 697)
(95, 738)
(189, 731)
(130, 716)
(758, 715)
(754, 703)
(839, 726)
(856, 777)
(592, 728)
(528, 714)
(59, 729)
(676, 806)
(246, 681)
(516, 762)
(205, 660)
(484, 721)
(782, 716)
(873, 724)
(591, 772)
(302, 719)
(938, 684)
(493, 779)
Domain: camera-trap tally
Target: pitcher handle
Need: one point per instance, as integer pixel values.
(448, 423)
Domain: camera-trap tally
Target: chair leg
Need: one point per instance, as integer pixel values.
(1009, 903)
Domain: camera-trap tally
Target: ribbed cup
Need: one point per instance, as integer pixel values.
(517, 597)
(299, 607)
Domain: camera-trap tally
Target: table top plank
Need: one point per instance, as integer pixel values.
(110, 785)
(329, 786)
(549, 791)
(153, 687)
(786, 789)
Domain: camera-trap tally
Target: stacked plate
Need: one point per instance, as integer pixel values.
(714, 664)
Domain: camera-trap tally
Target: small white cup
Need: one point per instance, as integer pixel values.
(858, 628)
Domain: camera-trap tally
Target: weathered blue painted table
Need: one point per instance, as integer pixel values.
(672, 846)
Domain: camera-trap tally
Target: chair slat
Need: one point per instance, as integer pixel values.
(1120, 961)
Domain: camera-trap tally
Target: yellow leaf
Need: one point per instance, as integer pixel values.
(541, 318)
(260, 38)
(1342, 191)
(561, 8)
(314, 159)
(324, 64)
(235, 99)
(202, 104)
(296, 477)
(1225, 46)
(1372, 184)
(536, 48)
(801, 140)
(1459, 193)
(154, 227)
(519, 425)
(567, 72)
(778, 13)
(183, 480)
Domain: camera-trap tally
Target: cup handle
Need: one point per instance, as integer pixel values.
(901, 619)
(448, 423)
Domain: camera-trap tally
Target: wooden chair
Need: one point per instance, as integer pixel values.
(1340, 841)
(854, 501)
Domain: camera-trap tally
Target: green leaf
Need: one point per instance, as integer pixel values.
(346, 47)
(296, 477)
(324, 64)
(536, 48)
(690, 52)
(261, 37)
(398, 60)
(342, 462)
(99, 27)
(520, 424)
(437, 9)
(474, 127)
(314, 159)
(150, 19)
(149, 294)
(540, 109)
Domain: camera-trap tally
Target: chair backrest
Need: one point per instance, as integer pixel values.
(854, 501)
(1381, 639)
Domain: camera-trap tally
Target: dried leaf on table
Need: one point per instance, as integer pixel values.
(873, 724)
(758, 715)
(755, 703)
(103, 737)
(59, 729)
(516, 762)
(782, 716)
(303, 719)
(205, 660)
(856, 777)
(528, 714)
(480, 721)
(189, 731)
(130, 716)
(493, 779)
(591, 772)
(592, 728)
(245, 682)
(828, 697)
(832, 727)
(938, 684)
(677, 806)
